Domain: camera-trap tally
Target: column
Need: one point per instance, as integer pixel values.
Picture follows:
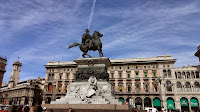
(63, 86)
(124, 86)
(133, 86)
(189, 105)
(143, 103)
(177, 102)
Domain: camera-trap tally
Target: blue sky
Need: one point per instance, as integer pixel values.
(34, 29)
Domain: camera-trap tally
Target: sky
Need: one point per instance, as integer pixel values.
(38, 31)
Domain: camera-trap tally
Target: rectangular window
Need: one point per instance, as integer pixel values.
(128, 75)
(154, 74)
(120, 75)
(145, 74)
(120, 88)
(137, 75)
(112, 75)
(59, 89)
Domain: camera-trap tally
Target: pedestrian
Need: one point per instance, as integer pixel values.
(26, 109)
(19, 109)
(44, 109)
(2, 110)
(39, 108)
(32, 109)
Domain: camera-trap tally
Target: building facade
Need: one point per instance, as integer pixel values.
(3, 62)
(24, 93)
(21, 93)
(58, 76)
(142, 82)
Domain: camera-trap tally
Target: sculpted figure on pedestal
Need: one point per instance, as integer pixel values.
(90, 43)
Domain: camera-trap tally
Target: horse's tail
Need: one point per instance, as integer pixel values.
(73, 45)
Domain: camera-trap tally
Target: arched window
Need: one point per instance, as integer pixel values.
(155, 85)
(179, 87)
(138, 103)
(176, 75)
(52, 77)
(196, 87)
(188, 74)
(192, 75)
(183, 75)
(179, 74)
(147, 102)
(187, 87)
(170, 103)
(137, 86)
(197, 74)
(184, 104)
(48, 100)
(168, 85)
(165, 73)
(121, 99)
(50, 87)
(49, 77)
(146, 88)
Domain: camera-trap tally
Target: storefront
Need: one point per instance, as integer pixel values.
(170, 103)
(184, 104)
(194, 104)
(121, 100)
(157, 104)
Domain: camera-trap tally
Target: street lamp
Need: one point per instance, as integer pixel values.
(160, 81)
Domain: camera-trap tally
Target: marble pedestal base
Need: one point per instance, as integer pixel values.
(75, 94)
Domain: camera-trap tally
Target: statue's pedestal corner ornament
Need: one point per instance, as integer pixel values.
(90, 43)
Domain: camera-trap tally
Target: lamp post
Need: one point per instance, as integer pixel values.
(160, 81)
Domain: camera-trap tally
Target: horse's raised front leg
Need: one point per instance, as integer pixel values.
(100, 53)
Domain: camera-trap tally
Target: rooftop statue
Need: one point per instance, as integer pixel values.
(90, 43)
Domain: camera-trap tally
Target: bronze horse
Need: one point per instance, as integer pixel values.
(96, 45)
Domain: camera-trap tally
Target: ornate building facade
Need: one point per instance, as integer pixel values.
(24, 93)
(3, 62)
(142, 82)
(21, 93)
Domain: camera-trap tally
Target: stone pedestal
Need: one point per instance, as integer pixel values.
(91, 86)
(75, 94)
(92, 67)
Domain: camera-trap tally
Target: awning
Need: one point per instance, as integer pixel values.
(170, 104)
(156, 102)
(122, 100)
(184, 102)
(194, 102)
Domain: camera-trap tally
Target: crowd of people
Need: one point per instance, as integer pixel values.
(37, 108)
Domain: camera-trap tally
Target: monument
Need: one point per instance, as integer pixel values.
(91, 84)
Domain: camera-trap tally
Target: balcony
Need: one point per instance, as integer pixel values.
(134, 93)
(50, 93)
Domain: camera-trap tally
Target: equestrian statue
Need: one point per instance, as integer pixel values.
(90, 43)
